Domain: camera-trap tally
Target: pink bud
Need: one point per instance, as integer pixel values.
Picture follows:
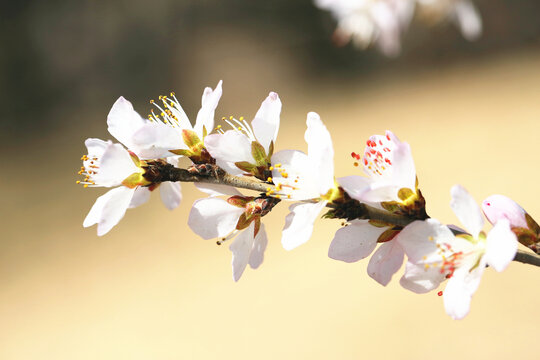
(498, 207)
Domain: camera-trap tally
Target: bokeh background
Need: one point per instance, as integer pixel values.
(150, 289)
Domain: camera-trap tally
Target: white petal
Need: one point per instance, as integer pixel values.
(385, 262)
(266, 122)
(96, 147)
(154, 140)
(501, 245)
(301, 181)
(205, 117)
(109, 209)
(419, 279)
(379, 191)
(212, 217)
(498, 207)
(299, 224)
(140, 196)
(123, 121)
(355, 185)
(241, 250)
(171, 194)
(467, 210)
(259, 246)
(230, 147)
(457, 298)
(320, 152)
(115, 166)
(216, 189)
(468, 20)
(420, 238)
(403, 168)
(355, 241)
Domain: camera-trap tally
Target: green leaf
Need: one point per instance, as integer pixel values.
(183, 152)
(258, 153)
(388, 235)
(246, 166)
(190, 138)
(532, 224)
(404, 194)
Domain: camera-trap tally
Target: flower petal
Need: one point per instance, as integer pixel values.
(320, 152)
(212, 217)
(355, 241)
(501, 246)
(140, 196)
(419, 279)
(217, 189)
(154, 140)
(497, 207)
(123, 121)
(115, 166)
(467, 210)
(386, 260)
(355, 185)
(299, 224)
(266, 122)
(109, 209)
(205, 117)
(420, 240)
(259, 246)
(171, 194)
(96, 147)
(241, 250)
(295, 174)
(468, 19)
(228, 148)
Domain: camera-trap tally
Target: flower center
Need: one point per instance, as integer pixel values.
(170, 113)
(378, 155)
(450, 259)
(88, 170)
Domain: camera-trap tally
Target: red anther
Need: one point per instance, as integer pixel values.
(365, 161)
(386, 149)
(353, 154)
(388, 161)
(379, 154)
(380, 142)
(439, 293)
(488, 204)
(388, 137)
(372, 151)
(448, 276)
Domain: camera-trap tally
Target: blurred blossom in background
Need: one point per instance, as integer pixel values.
(458, 80)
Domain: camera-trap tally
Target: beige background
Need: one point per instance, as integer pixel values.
(150, 289)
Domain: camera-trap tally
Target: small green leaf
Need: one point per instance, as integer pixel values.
(387, 235)
(533, 225)
(183, 152)
(239, 201)
(190, 138)
(404, 194)
(378, 223)
(270, 150)
(390, 206)
(244, 221)
(246, 166)
(258, 153)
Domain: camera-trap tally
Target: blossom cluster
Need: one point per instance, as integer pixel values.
(382, 211)
(382, 22)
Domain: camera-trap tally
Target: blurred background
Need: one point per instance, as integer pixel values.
(150, 289)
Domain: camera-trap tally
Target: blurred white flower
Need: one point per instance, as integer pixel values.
(462, 13)
(436, 254)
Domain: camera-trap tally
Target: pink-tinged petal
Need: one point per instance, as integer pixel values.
(216, 189)
(109, 209)
(501, 246)
(419, 279)
(320, 152)
(295, 174)
(266, 122)
(299, 224)
(259, 246)
(420, 240)
(404, 170)
(379, 192)
(154, 140)
(209, 102)
(115, 166)
(96, 147)
(468, 19)
(212, 217)
(355, 241)
(171, 194)
(467, 210)
(123, 121)
(231, 147)
(384, 263)
(355, 185)
(140, 196)
(241, 250)
(497, 207)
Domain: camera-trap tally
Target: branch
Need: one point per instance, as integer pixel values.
(526, 257)
(212, 174)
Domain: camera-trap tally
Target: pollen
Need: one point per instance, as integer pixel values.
(439, 293)
(269, 179)
(271, 168)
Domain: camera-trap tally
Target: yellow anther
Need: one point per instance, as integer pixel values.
(269, 179)
(430, 238)
(231, 117)
(285, 175)
(85, 185)
(289, 196)
(241, 118)
(355, 163)
(218, 127)
(152, 101)
(426, 266)
(172, 93)
(278, 196)
(278, 165)
(78, 181)
(223, 118)
(271, 168)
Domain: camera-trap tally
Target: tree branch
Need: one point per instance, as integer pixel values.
(211, 174)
